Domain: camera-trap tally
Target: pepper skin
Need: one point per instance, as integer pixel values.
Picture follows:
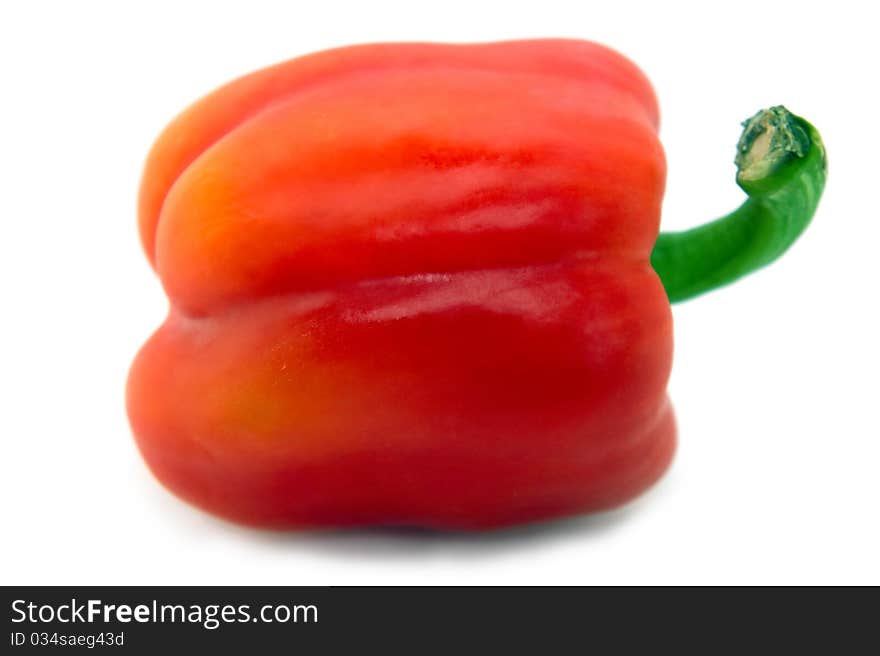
(410, 285)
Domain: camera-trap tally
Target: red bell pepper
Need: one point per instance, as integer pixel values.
(411, 285)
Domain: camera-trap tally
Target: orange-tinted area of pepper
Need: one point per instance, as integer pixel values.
(409, 285)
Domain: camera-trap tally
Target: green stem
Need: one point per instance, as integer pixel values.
(781, 165)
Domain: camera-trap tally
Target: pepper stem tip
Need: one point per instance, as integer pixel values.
(770, 139)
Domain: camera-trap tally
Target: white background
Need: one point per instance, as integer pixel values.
(775, 380)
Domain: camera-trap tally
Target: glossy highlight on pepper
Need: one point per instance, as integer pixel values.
(412, 285)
